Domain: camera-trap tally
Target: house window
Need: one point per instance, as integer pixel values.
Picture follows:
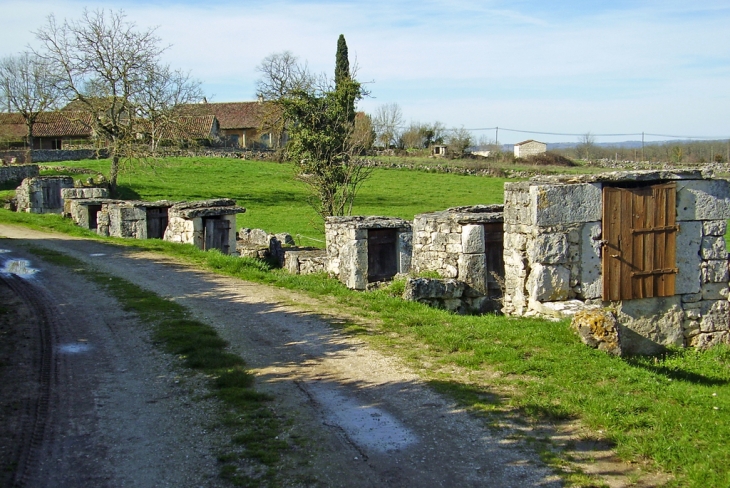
(639, 250)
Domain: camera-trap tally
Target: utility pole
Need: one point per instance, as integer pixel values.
(496, 137)
(642, 146)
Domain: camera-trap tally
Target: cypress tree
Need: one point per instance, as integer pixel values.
(342, 63)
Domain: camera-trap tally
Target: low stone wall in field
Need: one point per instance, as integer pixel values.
(17, 173)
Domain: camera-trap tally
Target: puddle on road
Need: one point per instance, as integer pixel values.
(97, 254)
(74, 348)
(20, 267)
(369, 427)
(3, 251)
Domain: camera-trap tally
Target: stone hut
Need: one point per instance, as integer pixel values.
(42, 194)
(83, 204)
(134, 219)
(647, 244)
(529, 148)
(362, 250)
(463, 243)
(207, 224)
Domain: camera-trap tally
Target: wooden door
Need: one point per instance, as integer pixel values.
(382, 254)
(216, 234)
(156, 222)
(639, 236)
(494, 251)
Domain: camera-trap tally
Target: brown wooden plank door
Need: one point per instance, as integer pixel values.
(216, 234)
(157, 220)
(382, 254)
(639, 235)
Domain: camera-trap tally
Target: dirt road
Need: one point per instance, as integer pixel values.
(108, 410)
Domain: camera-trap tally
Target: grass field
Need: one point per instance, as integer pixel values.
(277, 203)
(671, 411)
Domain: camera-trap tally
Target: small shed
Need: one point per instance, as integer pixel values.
(529, 148)
(362, 250)
(42, 194)
(649, 244)
(135, 219)
(463, 243)
(438, 150)
(207, 224)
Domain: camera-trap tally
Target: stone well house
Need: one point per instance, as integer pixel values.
(647, 244)
(362, 250)
(83, 204)
(207, 224)
(134, 219)
(464, 243)
(42, 194)
(529, 148)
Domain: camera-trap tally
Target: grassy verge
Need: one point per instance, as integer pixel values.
(672, 411)
(255, 445)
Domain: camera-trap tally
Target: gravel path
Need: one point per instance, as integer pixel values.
(125, 421)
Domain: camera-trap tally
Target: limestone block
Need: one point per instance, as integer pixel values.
(550, 249)
(548, 283)
(598, 329)
(472, 239)
(513, 240)
(714, 227)
(715, 271)
(715, 315)
(651, 323)
(450, 271)
(692, 313)
(703, 200)
(473, 271)
(590, 261)
(689, 240)
(404, 248)
(566, 204)
(691, 328)
(714, 291)
(713, 247)
(515, 259)
(705, 341)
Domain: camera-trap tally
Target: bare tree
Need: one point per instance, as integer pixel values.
(159, 104)
(458, 140)
(586, 146)
(387, 121)
(281, 75)
(414, 136)
(104, 63)
(27, 82)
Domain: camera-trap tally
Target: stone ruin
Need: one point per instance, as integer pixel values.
(647, 246)
(257, 243)
(464, 246)
(206, 224)
(363, 250)
(42, 194)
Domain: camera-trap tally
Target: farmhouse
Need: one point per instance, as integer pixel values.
(529, 148)
(649, 244)
(52, 130)
(241, 123)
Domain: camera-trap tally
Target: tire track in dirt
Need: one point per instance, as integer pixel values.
(35, 413)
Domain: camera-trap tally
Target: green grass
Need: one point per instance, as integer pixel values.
(277, 203)
(200, 348)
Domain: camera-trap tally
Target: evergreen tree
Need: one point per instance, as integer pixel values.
(342, 62)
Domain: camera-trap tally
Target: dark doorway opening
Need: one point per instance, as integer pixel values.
(494, 251)
(382, 254)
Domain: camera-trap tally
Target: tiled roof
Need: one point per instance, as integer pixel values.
(50, 124)
(232, 115)
(191, 127)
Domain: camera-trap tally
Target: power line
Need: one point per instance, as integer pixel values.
(637, 134)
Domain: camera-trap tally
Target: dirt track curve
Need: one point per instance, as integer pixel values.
(106, 408)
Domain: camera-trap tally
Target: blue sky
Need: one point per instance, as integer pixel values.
(661, 67)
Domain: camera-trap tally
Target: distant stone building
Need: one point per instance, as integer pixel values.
(529, 148)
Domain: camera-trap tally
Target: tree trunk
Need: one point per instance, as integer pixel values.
(113, 173)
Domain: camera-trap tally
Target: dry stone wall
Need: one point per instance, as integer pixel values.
(17, 173)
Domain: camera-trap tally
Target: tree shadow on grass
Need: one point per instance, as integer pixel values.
(675, 374)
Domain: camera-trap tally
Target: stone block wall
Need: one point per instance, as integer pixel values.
(42, 194)
(553, 232)
(71, 194)
(186, 222)
(17, 173)
(451, 243)
(347, 247)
